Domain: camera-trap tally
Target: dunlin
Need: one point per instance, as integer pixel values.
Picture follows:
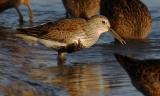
(69, 35)
(145, 74)
(131, 19)
(82, 8)
(7, 4)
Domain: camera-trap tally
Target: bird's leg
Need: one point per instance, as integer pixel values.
(61, 58)
(30, 12)
(20, 15)
(67, 14)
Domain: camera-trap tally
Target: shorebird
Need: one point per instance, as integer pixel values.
(7, 4)
(81, 8)
(131, 19)
(69, 35)
(144, 74)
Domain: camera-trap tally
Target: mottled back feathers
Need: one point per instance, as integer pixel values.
(58, 31)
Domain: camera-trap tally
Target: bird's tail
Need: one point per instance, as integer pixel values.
(26, 34)
(27, 37)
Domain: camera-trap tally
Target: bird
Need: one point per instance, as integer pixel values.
(68, 35)
(81, 8)
(7, 4)
(131, 19)
(144, 74)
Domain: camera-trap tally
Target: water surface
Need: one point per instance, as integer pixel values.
(90, 72)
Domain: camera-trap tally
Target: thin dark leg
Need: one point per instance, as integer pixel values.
(67, 15)
(61, 58)
(20, 15)
(30, 13)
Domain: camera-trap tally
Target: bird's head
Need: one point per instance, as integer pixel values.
(103, 25)
(100, 22)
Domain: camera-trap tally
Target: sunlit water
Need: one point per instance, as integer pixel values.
(90, 72)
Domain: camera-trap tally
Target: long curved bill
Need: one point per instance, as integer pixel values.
(115, 35)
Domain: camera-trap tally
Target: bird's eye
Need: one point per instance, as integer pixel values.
(103, 22)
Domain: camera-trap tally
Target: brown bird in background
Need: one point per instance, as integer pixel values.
(131, 19)
(144, 74)
(7, 4)
(81, 8)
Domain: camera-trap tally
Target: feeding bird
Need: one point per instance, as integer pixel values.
(81, 8)
(131, 19)
(7, 4)
(69, 35)
(144, 74)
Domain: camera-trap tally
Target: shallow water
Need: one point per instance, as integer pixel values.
(90, 72)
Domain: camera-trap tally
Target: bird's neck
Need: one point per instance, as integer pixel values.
(94, 28)
(93, 31)
(92, 34)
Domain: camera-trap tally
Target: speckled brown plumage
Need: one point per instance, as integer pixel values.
(60, 31)
(69, 35)
(82, 8)
(7, 4)
(129, 18)
(145, 74)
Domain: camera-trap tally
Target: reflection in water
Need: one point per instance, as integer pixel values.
(79, 80)
(145, 74)
(102, 71)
